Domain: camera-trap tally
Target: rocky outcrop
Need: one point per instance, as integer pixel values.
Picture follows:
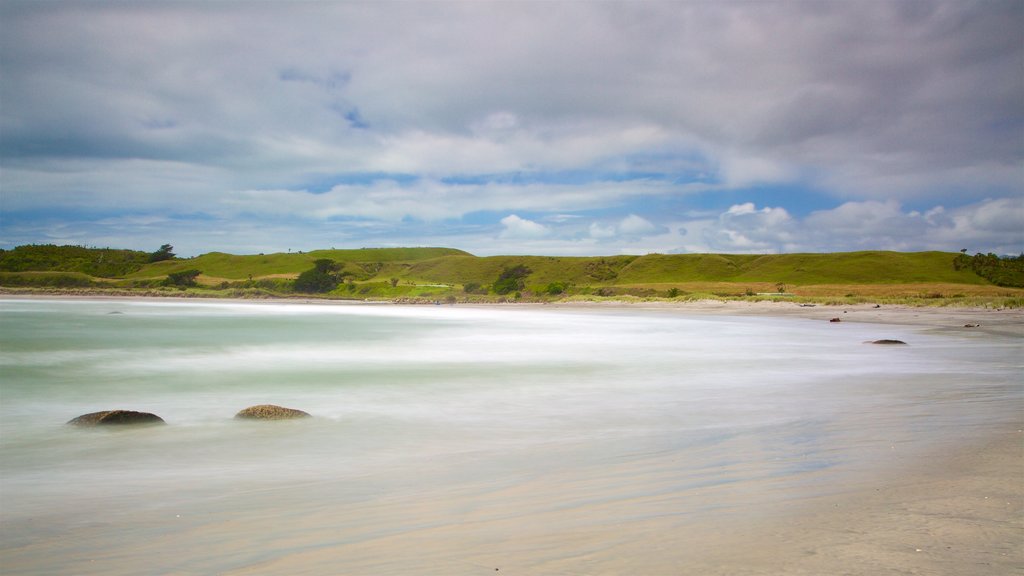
(116, 418)
(270, 412)
(886, 341)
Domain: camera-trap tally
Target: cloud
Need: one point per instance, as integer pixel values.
(400, 111)
(744, 228)
(521, 228)
(991, 225)
(598, 230)
(636, 225)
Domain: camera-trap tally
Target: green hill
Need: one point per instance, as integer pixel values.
(443, 272)
(232, 267)
(98, 262)
(874, 267)
(833, 268)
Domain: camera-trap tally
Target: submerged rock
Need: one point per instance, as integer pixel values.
(887, 341)
(271, 412)
(116, 417)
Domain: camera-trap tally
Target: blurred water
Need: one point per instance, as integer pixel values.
(472, 399)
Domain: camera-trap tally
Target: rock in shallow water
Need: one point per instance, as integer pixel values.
(887, 341)
(116, 417)
(271, 412)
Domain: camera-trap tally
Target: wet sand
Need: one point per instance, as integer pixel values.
(1004, 322)
(958, 514)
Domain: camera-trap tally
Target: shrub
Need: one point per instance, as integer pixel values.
(1008, 271)
(323, 277)
(601, 270)
(182, 279)
(556, 288)
(511, 279)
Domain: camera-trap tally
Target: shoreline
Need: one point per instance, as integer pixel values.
(994, 321)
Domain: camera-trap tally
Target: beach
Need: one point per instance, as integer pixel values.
(921, 476)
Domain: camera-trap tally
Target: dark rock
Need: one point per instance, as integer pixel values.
(888, 341)
(116, 417)
(835, 320)
(271, 412)
(971, 325)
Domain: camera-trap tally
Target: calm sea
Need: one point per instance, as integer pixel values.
(453, 411)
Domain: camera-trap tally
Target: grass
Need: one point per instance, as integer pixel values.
(219, 266)
(921, 278)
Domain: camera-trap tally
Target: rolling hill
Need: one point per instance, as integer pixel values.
(433, 272)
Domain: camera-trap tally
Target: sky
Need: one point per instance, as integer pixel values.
(514, 127)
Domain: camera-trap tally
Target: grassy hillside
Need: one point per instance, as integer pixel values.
(447, 274)
(834, 268)
(797, 269)
(231, 267)
(544, 269)
(98, 262)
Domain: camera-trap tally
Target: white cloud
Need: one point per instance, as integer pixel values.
(744, 228)
(636, 225)
(628, 229)
(520, 228)
(990, 225)
(598, 230)
(745, 208)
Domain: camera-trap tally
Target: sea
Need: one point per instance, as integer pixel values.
(448, 439)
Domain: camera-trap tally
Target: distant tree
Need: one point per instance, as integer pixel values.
(164, 253)
(511, 279)
(1001, 271)
(323, 277)
(394, 282)
(182, 279)
(673, 292)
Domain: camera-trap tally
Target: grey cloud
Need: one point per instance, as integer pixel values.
(826, 82)
(124, 103)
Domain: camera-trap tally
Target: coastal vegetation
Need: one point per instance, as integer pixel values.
(449, 275)
(1000, 271)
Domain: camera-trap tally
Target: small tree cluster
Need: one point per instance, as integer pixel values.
(164, 253)
(183, 279)
(511, 279)
(323, 277)
(1008, 271)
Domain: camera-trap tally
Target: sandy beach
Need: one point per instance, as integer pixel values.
(956, 508)
(1005, 321)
